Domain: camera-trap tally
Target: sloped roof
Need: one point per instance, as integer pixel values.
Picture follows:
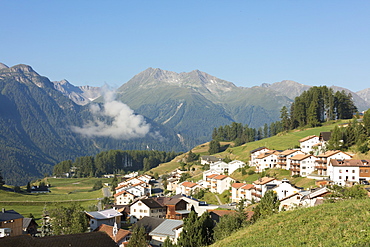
(300, 156)
(237, 185)
(266, 154)
(27, 222)
(104, 214)
(350, 163)
(307, 138)
(221, 212)
(100, 239)
(212, 175)
(166, 228)
(121, 234)
(123, 192)
(188, 184)
(9, 215)
(247, 187)
(258, 149)
(220, 177)
(263, 180)
(288, 152)
(149, 223)
(325, 136)
(151, 203)
(330, 153)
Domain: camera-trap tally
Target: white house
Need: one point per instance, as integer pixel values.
(220, 183)
(285, 189)
(284, 158)
(146, 207)
(266, 160)
(322, 161)
(255, 153)
(260, 187)
(240, 191)
(187, 188)
(207, 159)
(302, 164)
(123, 198)
(235, 165)
(344, 172)
(308, 143)
(108, 217)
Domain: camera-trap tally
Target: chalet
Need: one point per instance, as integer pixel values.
(208, 159)
(40, 189)
(120, 236)
(291, 202)
(146, 207)
(187, 188)
(255, 153)
(29, 226)
(176, 209)
(302, 164)
(285, 189)
(307, 143)
(123, 198)
(344, 172)
(108, 217)
(322, 161)
(283, 159)
(266, 160)
(260, 187)
(217, 214)
(240, 191)
(12, 220)
(220, 183)
(168, 228)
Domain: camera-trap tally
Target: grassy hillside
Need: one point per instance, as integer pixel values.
(63, 190)
(345, 223)
(279, 142)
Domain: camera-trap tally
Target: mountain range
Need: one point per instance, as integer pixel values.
(44, 122)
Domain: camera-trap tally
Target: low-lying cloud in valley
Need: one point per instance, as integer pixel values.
(114, 119)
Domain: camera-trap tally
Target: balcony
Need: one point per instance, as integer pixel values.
(281, 162)
(258, 189)
(320, 161)
(256, 195)
(321, 167)
(295, 169)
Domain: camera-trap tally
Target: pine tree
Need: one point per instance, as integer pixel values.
(268, 205)
(138, 238)
(214, 147)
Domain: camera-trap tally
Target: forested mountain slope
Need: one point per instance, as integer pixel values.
(36, 128)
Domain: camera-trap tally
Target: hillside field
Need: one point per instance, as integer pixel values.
(63, 190)
(345, 223)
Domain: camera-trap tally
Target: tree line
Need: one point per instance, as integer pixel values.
(317, 105)
(113, 161)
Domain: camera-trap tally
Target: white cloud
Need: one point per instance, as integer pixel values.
(114, 119)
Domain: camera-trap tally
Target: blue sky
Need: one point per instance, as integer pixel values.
(245, 42)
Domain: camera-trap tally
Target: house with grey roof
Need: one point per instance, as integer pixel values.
(10, 219)
(108, 217)
(168, 228)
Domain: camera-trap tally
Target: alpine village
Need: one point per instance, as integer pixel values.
(297, 175)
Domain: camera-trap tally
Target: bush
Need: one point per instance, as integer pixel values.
(98, 185)
(251, 172)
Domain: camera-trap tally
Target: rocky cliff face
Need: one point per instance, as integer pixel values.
(81, 95)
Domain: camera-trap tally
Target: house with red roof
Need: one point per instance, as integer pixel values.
(187, 188)
(220, 183)
(240, 191)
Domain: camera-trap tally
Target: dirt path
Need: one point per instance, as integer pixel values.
(218, 199)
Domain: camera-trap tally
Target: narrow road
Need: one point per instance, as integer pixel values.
(106, 192)
(218, 199)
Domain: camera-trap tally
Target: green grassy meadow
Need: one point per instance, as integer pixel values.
(63, 190)
(345, 223)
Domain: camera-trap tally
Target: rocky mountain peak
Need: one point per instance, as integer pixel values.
(3, 66)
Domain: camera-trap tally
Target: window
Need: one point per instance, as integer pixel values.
(353, 177)
(346, 170)
(139, 204)
(353, 171)
(340, 177)
(340, 171)
(303, 167)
